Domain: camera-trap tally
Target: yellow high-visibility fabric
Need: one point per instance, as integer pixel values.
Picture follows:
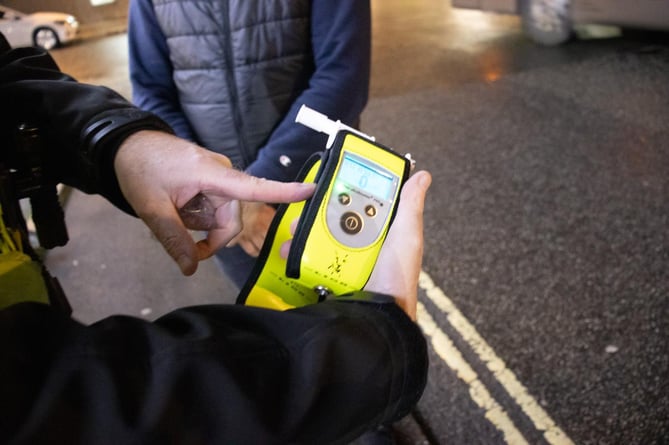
(21, 280)
(21, 277)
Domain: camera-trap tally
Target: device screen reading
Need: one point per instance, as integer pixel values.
(359, 174)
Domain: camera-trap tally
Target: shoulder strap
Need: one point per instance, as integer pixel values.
(268, 286)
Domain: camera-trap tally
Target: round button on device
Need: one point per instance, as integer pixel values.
(344, 199)
(370, 211)
(351, 223)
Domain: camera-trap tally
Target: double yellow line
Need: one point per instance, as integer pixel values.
(454, 359)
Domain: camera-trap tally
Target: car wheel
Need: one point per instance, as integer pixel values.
(45, 38)
(547, 21)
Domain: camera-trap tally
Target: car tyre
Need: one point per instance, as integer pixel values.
(46, 38)
(547, 21)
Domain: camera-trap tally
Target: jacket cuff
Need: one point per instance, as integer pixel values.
(365, 296)
(410, 348)
(101, 140)
(103, 135)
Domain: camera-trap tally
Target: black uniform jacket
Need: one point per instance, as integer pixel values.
(215, 374)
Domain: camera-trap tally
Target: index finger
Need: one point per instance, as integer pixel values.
(242, 186)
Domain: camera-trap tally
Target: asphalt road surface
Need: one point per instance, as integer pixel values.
(545, 294)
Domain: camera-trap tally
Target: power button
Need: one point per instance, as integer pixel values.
(351, 223)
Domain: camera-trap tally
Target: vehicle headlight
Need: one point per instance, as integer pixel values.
(70, 21)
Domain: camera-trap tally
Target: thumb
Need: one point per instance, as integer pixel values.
(412, 202)
(399, 263)
(168, 228)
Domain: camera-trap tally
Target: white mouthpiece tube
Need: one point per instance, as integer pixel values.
(321, 123)
(316, 121)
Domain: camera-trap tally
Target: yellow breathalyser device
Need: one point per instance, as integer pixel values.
(341, 228)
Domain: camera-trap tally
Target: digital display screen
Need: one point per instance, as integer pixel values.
(360, 175)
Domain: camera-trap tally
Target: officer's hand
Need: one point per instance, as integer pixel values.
(399, 263)
(159, 174)
(256, 219)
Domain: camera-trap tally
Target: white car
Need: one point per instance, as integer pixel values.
(44, 29)
(550, 22)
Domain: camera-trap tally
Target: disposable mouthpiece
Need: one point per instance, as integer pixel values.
(321, 123)
(316, 121)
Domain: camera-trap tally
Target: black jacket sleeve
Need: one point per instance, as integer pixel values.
(80, 125)
(324, 373)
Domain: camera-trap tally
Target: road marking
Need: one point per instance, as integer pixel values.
(445, 349)
(453, 358)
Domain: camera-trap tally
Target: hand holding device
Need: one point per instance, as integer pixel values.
(341, 228)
